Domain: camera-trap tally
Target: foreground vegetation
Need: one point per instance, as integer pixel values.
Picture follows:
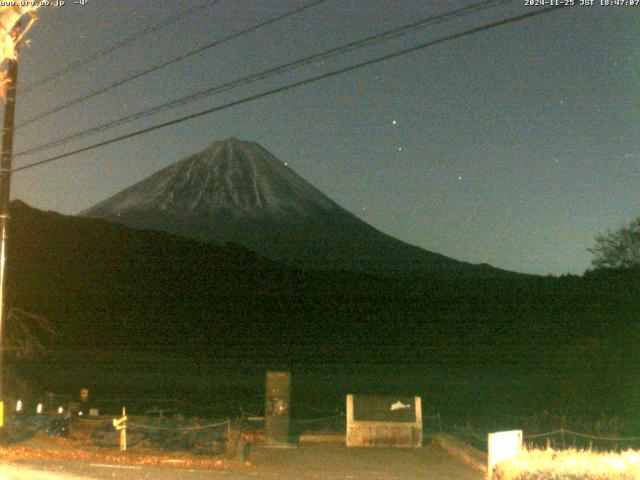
(570, 464)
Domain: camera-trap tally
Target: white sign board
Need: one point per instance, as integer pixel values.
(502, 446)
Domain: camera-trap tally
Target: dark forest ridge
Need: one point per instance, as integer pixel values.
(103, 283)
(106, 286)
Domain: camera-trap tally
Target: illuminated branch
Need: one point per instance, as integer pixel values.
(27, 334)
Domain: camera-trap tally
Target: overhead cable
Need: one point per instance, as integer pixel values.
(293, 85)
(116, 46)
(184, 100)
(155, 68)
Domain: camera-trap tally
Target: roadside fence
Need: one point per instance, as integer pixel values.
(195, 435)
(556, 437)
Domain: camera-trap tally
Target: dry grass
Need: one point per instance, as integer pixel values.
(570, 464)
(44, 447)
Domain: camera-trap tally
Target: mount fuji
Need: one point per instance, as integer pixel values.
(236, 191)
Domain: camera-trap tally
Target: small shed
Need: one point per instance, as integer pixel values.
(384, 421)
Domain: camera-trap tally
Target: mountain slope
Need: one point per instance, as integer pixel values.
(103, 283)
(237, 191)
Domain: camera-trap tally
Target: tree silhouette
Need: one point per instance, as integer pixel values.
(619, 249)
(27, 335)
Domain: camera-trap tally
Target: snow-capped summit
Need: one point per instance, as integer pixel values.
(239, 192)
(232, 177)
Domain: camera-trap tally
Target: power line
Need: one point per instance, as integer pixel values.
(117, 45)
(373, 39)
(164, 64)
(290, 86)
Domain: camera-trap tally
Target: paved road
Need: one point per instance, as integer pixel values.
(327, 462)
(79, 470)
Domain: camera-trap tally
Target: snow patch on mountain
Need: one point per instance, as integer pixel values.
(235, 177)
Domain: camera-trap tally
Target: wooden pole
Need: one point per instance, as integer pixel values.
(5, 195)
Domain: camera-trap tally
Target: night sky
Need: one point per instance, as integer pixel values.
(514, 146)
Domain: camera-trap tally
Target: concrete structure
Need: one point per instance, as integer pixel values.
(384, 421)
(278, 388)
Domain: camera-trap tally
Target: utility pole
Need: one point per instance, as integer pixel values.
(5, 192)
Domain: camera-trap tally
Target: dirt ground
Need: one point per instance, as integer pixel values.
(42, 457)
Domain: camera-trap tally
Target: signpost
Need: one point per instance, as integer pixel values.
(502, 446)
(278, 388)
(121, 425)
